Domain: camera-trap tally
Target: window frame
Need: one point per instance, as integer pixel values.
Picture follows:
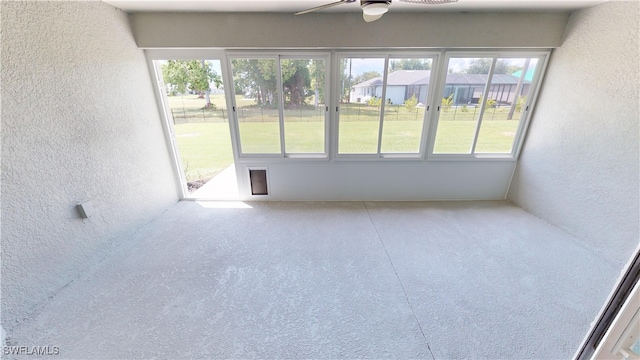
(154, 55)
(386, 55)
(278, 56)
(540, 70)
(331, 57)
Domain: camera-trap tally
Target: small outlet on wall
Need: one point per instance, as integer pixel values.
(85, 209)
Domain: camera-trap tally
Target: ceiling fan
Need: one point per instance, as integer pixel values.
(374, 9)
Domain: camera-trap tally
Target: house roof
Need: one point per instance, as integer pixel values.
(371, 82)
(409, 77)
(422, 77)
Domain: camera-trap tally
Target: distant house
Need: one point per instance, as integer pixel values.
(466, 88)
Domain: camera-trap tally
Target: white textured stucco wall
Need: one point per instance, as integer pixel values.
(79, 123)
(579, 165)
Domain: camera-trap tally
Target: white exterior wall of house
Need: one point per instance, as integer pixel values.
(378, 91)
(396, 94)
(424, 90)
(579, 168)
(79, 123)
(361, 94)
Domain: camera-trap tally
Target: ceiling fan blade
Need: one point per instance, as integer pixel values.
(370, 18)
(322, 7)
(430, 2)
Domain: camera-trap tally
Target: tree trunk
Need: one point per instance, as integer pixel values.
(207, 98)
(317, 95)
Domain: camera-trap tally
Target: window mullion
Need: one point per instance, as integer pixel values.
(483, 104)
(280, 103)
(436, 86)
(383, 101)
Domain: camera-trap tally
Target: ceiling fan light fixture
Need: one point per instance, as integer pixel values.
(375, 9)
(369, 18)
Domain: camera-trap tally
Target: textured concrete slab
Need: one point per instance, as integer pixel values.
(223, 186)
(315, 280)
(488, 280)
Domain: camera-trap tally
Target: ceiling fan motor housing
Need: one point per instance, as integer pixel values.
(374, 7)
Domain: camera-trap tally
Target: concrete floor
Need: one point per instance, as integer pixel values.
(430, 280)
(223, 186)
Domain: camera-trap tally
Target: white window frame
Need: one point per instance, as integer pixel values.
(153, 55)
(543, 59)
(386, 56)
(277, 56)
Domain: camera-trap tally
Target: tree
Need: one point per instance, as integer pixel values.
(411, 103)
(296, 80)
(317, 69)
(409, 64)
(481, 66)
(258, 78)
(192, 75)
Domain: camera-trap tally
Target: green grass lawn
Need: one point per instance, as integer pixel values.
(205, 143)
(205, 149)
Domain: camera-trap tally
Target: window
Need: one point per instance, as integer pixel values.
(193, 92)
(257, 98)
(509, 90)
(383, 101)
(304, 105)
(483, 102)
(360, 104)
(406, 93)
(280, 104)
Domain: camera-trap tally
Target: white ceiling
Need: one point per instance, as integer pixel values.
(290, 6)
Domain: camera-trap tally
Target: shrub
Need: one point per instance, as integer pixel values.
(446, 103)
(464, 108)
(520, 103)
(411, 103)
(491, 103)
(374, 101)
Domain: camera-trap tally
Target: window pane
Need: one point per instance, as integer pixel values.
(406, 94)
(510, 87)
(304, 105)
(197, 105)
(256, 89)
(360, 87)
(460, 105)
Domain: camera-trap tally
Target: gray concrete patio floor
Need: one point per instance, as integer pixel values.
(223, 186)
(429, 280)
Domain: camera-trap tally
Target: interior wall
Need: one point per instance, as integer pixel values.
(579, 168)
(381, 180)
(362, 179)
(79, 123)
(335, 30)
